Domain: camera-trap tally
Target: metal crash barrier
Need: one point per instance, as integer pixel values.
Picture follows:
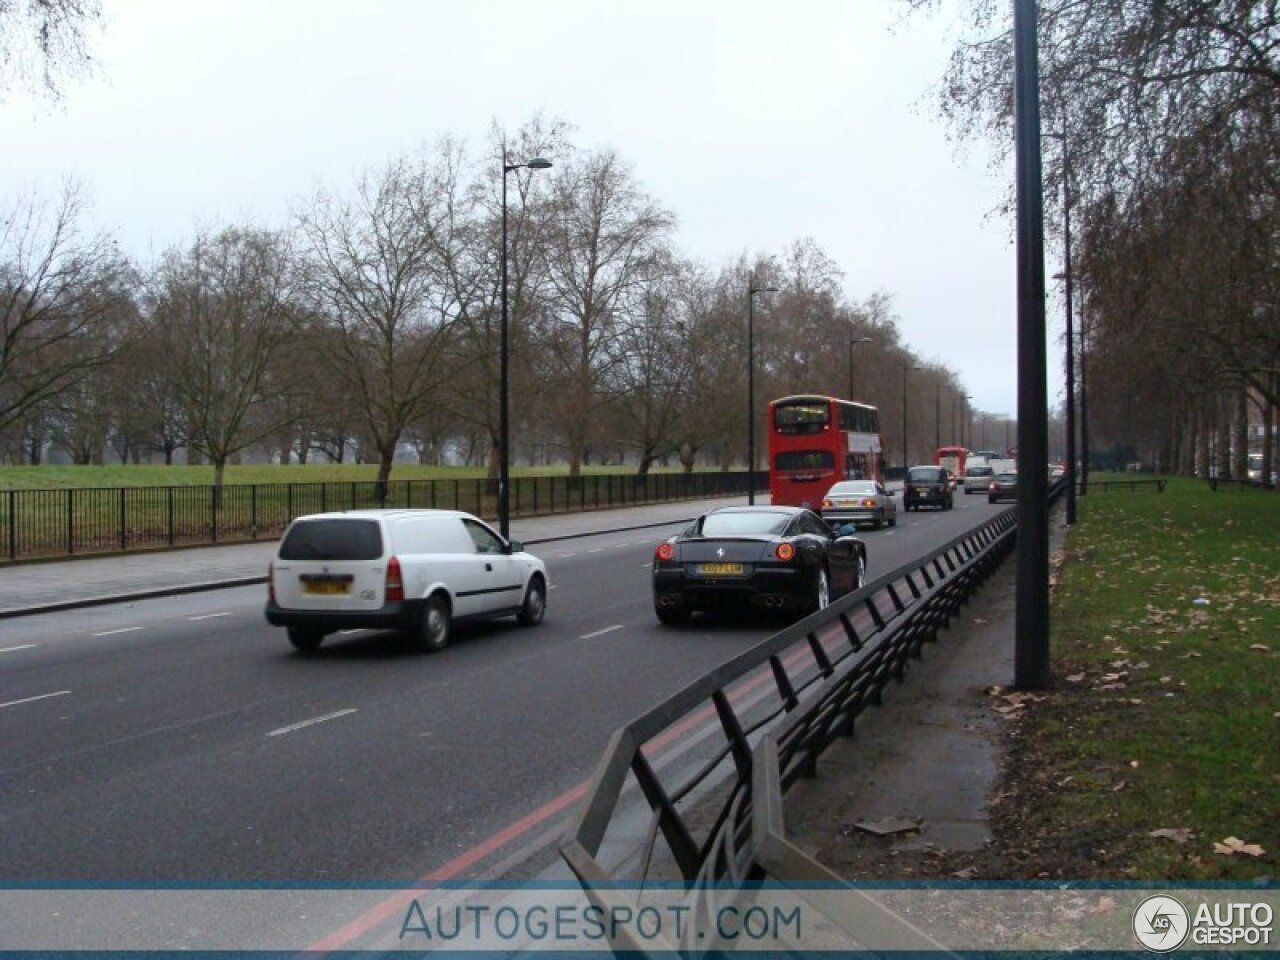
(713, 761)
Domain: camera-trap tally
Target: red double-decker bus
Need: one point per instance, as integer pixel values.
(816, 441)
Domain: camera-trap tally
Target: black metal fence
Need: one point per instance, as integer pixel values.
(36, 524)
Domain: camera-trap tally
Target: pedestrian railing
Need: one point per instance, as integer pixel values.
(714, 809)
(37, 524)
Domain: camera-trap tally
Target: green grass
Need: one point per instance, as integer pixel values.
(1165, 712)
(117, 475)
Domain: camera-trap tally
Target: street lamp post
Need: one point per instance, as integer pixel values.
(906, 460)
(752, 290)
(504, 385)
(937, 414)
(853, 342)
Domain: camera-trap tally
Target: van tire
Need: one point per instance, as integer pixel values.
(305, 640)
(535, 603)
(436, 626)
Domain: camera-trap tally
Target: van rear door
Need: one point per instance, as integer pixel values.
(331, 563)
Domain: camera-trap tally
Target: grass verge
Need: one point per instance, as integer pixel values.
(1160, 739)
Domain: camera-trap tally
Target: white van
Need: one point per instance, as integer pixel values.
(417, 571)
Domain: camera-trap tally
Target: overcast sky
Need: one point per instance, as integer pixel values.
(757, 123)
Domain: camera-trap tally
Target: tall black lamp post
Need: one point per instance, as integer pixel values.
(752, 290)
(853, 342)
(504, 385)
(906, 461)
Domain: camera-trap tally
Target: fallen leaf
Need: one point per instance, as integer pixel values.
(889, 826)
(968, 873)
(1178, 835)
(1234, 845)
(1075, 677)
(1120, 785)
(1134, 764)
(1260, 647)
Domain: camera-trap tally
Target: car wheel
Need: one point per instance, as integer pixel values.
(535, 603)
(672, 616)
(893, 519)
(436, 626)
(860, 572)
(991, 499)
(879, 521)
(821, 591)
(304, 640)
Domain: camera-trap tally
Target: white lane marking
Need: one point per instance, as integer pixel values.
(566, 556)
(600, 633)
(314, 720)
(210, 616)
(43, 696)
(25, 646)
(596, 550)
(112, 633)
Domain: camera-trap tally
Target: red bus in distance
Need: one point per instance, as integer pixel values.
(954, 459)
(816, 441)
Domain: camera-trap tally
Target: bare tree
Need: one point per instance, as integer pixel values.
(605, 239)
(59, 289)
(224, 310)
(42, 41)
(373, 268)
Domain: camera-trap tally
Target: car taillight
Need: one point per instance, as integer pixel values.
(828, 503)
(868, 502)
(666, 551)
(993, 485)
(271, 582)
(393, 592)
(784, 551)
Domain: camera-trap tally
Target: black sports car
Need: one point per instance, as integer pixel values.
(775, 558)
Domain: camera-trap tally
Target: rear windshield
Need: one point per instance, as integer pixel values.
(979, 472)
(729, 524)
(336, 539)
(924, 474)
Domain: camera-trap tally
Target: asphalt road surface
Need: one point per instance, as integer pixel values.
(182, 739)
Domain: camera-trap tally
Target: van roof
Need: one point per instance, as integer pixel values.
(384, 513)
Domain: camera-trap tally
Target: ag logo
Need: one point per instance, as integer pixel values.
(1161, 923)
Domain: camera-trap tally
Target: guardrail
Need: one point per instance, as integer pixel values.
(39, 524)
(714, 820)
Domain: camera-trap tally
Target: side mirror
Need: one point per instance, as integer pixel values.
(515, 546)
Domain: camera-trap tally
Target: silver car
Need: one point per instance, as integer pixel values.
(977, 479)
(859, 501)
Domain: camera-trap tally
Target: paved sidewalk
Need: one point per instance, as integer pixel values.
(45, 587)
(932, 755)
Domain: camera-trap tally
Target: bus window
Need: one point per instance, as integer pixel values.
(804, 460)
(801, 417)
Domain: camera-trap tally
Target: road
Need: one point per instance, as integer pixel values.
(182, 739)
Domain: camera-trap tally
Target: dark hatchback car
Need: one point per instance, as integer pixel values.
(1004, 486)
(770, 558)
(927, 486)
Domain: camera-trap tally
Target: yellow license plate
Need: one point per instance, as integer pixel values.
(720, 569)
(328, 587)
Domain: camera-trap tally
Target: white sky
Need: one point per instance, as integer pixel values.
(756, 122)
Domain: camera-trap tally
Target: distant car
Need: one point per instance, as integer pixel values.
(416, 571)
(770, 558)
(859, 501)
(927, 486)
(1003, 486)
(1057, 471)
(977, 479)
